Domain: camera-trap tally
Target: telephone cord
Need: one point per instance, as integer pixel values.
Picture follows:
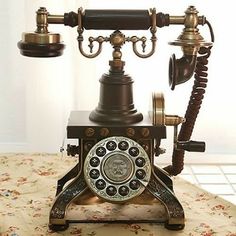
(194, 105)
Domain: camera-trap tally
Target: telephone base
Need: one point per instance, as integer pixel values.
(74, 187)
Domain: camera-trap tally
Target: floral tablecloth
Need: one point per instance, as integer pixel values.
(27, 189)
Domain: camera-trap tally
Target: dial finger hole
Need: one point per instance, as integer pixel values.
(134, 184)
(140, 174)
(140, 162)
(123, 190)
(101, 151)
(100, 184)
(111, 190)
(94, 162)
(134, 151)
(123, 145)
(94, 173)
(111, 145)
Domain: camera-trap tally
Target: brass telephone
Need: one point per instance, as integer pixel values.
(116, 143)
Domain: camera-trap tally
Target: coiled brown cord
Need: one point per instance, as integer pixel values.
(194, 105)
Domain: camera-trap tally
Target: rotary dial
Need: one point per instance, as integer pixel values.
(117, 169)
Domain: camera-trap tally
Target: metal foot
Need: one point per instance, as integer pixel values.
(56, 228)
(174, 227)
(173, 207)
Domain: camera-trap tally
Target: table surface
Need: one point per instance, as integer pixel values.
(27, 189)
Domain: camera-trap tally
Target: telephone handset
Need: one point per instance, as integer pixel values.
(116, 143)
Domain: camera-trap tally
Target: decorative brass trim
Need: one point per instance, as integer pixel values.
(55, 19)
(190, 39)
(158, 113)
(158, 102)
(176, 20)
(41, 38)
(173, 120)
(41, 20)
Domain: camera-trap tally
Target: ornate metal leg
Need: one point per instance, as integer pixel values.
(173, 207)
(161, 174)
(57, 220)
(68, 176)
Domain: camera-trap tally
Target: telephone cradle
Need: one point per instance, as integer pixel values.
(117, 145)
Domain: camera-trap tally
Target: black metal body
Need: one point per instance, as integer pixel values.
(79, 123)
(89, 133)
(116, 19)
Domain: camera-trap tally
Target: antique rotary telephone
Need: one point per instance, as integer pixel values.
(116, 143)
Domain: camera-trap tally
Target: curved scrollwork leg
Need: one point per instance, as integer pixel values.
(160, 173)
(67, 177)
(173, 207)
(57, 218)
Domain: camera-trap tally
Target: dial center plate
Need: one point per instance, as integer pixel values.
(118, 168)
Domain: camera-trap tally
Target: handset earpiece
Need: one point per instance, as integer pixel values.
(190, 41)
(181, 70)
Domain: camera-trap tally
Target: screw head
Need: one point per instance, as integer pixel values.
(130, 132)
(145, 132)
(89, 132)
(104, 132)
